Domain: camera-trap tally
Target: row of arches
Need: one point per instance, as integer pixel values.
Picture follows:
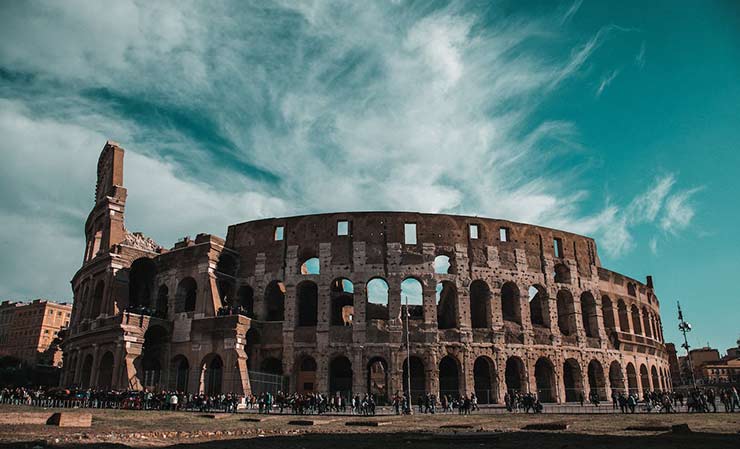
(632, 319)
(567, 383)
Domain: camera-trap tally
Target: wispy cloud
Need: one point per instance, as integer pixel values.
(571, 11)
(679, 211)
(640, 58)
(606, 81)
(236, 111)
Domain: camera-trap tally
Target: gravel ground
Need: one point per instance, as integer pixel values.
(118, 428)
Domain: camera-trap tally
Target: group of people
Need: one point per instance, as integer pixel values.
(700, 400)
(525, 402)
(464, 404)
(696, 401)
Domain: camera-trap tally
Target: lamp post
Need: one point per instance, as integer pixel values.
(408, 355)
(685, 328)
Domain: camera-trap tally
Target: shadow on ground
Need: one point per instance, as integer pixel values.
(502, 440)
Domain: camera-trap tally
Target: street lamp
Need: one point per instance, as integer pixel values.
(685, 328)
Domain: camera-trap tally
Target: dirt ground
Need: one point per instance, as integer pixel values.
(125, 429)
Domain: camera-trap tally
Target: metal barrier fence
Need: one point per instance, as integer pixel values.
(605, 408)
(267, 382)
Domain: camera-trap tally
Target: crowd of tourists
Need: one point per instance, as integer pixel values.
(698, 401)
(428, 403)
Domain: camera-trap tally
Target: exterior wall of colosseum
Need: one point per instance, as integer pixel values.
(494, 306)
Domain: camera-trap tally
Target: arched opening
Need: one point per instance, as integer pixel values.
(141, 283)
(544, 373)
(446, 305)
(480, 305)
(152, 353)
(105, 371)
(631, 289)
(632, 379)
(616, 378)
(306, 375)
(484, 380)
(275, 301)
(226, 278)
(342, 295)
(562, 273)
(515, 375)
(245, 300)
(596, 382)
(589, 315)
(86, 375)
(308, 303)
(510, 307)
(636, 320)
(311, 266)
(213, 369)
(656, 380)
(572, 380)
(181, 370)
(377, 379)
(340, 376)
(185, 298)
(644, 379)
(97, 300)
(412, 294)
(646, 323)
(624, 323)
(376, 307)
(607, 312)
(539, 306)
(253, 341)
(441, 264)
(418, 377)
(272, 365)
(566, 313)
(162, 300)
(449, 377)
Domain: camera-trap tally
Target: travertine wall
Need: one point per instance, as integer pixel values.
(587, 329)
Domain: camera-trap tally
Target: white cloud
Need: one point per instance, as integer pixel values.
(606, 81)
(653, 245)
(678, 211)
(358, 106)
(640, 58)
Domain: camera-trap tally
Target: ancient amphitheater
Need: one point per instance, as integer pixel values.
(318, 303)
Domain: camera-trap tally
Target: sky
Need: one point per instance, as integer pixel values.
(620, 123)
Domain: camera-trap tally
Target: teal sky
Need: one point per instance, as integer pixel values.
(615, 120)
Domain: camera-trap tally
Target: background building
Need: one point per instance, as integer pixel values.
(28, 330)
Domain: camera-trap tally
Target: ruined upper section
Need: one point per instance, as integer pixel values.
(110, 171)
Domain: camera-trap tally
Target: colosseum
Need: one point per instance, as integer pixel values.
(326, 303)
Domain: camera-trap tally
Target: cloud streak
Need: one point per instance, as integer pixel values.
(236, 111)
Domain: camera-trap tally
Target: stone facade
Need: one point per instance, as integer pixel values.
(493, 306)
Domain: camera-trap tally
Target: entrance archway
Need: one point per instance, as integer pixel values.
(616, 378)
(152, 356)
(105, 371)
(377, 379)
(572, 380)
(181, 370)
(306, 375)
(515, 376)
(656, 380)
(484, 380)
(644, 379)
(544, 373)
(213, 368)
(418, 377)
(632, 379)
(340, 376)
(596, 383)
(449, 377)
(86, 371)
